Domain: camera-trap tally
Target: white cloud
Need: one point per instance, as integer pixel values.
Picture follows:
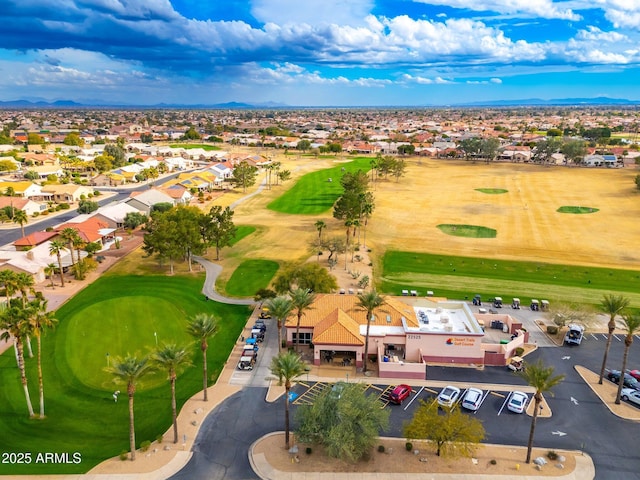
(312, 12)
(595, 34)
(537, 8)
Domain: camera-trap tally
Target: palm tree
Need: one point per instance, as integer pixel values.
(320, 225)
(201, 327)
(279, 308)
(24, 283)
(20, 217)
(612, 305)
(129, 370)
(301, 299)
(49, 271)
(541, 378)
(55, 248)
(8, 278)
(15, 326)
(632, 326)
(369, 301)
(287, 367)
(69, 235)
(172, 358)
(39, 319)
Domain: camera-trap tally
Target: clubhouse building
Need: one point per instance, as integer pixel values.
(406, 334)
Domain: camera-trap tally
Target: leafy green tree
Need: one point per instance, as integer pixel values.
(545, 148)
(172, 359)
(574, 150)
(116, 152)
(87, 206)
(612, 305)
(303, 145)
(542, 379)
(308, 276)
(280, 308)
(31, 175)
(187, 220)
(453, 433)
(133, 220)
(39, 320)
(34, 139)
(284, 175)
(369, 302)
(346, 424)
(191, 134)
(73, 138)
(130, 370)
(470, 147)
(161, 207)
(14, 326)
(489, 148)
(301, 299)
(218, 229)
(56, 247)
(264, 294)
(287, 367)
(244, 175)
(406, 149)
(399, 169)
(146, 138)
(7, 166)
(103, 163)
(632, 326)
(162, 238)
(202, 327)
(92, 247)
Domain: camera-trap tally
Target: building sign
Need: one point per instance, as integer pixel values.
(461, 341)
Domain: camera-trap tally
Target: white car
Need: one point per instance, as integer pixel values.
(472, 399)
(630, 395)
(517, 402)
(448, 396)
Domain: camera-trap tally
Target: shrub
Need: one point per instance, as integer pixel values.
(144, 446)
(45, 212)
(65, 206)
(552, 455)
(408, 446)
(381, 448)
(308, 450)
(519, 351)
(493, 461)
(35, 214)
(552, 329)
(159, 438)
(124, 455)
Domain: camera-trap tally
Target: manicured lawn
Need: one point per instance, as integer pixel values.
(460, 277)
(81, 414)
(492, 191)
(469, 231)
(188, 146)
(251, 276)
(241, 232)
(314, 193)
(577, 210)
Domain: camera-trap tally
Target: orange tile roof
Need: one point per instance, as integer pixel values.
(337, 328)
(89, 230)
(35, 238)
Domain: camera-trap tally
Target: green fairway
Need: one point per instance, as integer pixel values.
(460, 277)
(492, 191)
(251, 276)
(314, 193)
(577, 210)
(81, 413)
(189, 146)
(469, 231)
(242, 231)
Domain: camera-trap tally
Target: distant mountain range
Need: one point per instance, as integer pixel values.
(529, 102)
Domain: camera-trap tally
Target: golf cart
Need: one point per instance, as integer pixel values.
(246, 363)
(544, 305)
(515, 304)
(497, 302)
(516, 364)
(535, 305)
(477, 300)
(574, 334)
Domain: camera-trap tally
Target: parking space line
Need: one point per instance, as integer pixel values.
(616, 337)
(414, 397)
(497, 394)
(504, 403)
(482, 401)
(594, 337)
(430, 390)
(375, 387)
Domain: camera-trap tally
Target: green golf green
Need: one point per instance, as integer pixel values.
(469, 231)
(251, 276)
(120, 326)
(492, 191)
(577, 210)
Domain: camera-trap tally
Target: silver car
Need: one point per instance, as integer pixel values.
(448, 396)
(630, 395)
(472, 399)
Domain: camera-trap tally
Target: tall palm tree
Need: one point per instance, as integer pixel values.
(172, 359)
(369, 301)
(39, 319)
(287, 367)
(320, 225)
(8, 279)
(129, 370)
(49, 271)
(301, 299)
(15, 326)
(56, 247)
(612, 305)
(632, 326)
(24, 284)
(201, 327)
(279, 308)
(540, 377)
(20, 217)
(69, 235)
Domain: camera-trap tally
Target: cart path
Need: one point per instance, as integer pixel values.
(212, 271)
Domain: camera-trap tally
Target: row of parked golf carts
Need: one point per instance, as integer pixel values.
(497, 302)
(250, 349)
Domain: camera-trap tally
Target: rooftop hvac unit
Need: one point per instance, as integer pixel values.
(448, 328)
(444, 319)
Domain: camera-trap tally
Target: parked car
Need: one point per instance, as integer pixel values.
(448, 396)
(517, 402)
(635, 374)
(630, 395)
(400, 394)
(471, 400)
(336, 390)
(574, 334)
(629, 381)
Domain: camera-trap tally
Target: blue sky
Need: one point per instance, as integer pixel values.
(318, 52)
